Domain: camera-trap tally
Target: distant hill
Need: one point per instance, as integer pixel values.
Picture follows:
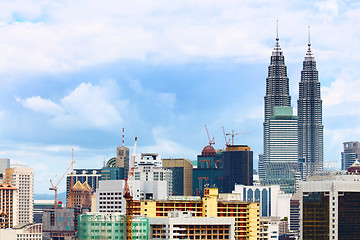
(61, 196)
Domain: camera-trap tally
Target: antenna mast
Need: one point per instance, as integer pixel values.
(123, 137)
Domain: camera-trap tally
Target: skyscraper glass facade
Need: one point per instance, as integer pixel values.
(310, 128)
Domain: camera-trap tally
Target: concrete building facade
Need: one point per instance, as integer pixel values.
(273, 201)
(246, 214)
(9, 200)
(183, 225)
(22, 177)
(59, 224)
(109, 196)
(25, 231)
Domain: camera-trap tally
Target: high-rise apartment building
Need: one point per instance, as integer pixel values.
(310, 128)
(22, 177)
(350, 154)
(8, 206)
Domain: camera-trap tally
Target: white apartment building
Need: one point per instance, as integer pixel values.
(273, 201)
(182, 225)
(151, 172)
(22, 177)
(109, 195)
(269, 228)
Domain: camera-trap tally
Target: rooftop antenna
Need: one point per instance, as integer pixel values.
(277, 30)
(309, 44)
(123, 137)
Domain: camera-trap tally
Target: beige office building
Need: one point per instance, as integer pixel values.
(22, 177)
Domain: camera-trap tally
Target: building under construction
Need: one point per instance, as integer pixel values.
(246, 214)
(111, 226)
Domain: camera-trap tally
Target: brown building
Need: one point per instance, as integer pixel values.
(8, 206)
(182, 175)
(82, 194)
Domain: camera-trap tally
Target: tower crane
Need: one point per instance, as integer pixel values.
(128, 195)
(226, 141)
(211, 141)
(55, 187)
(232, 134)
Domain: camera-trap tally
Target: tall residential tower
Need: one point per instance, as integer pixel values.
(310, 128)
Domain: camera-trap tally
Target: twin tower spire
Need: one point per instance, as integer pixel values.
(309, 150)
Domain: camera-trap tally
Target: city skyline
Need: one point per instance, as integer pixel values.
(73, 75)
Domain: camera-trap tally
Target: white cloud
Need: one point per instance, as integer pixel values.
(165, 147)
(63, 36)
(87, 106)
(38, 104)
(341, 91)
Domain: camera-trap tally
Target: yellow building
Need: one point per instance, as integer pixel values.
(246, 214)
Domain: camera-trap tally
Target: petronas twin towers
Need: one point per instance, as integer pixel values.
(299, 139)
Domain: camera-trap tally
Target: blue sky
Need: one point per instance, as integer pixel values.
(74, 73)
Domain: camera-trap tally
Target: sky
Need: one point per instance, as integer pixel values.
(74, 73)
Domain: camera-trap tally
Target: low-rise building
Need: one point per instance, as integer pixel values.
(273, 201)
(183, 225)
(111, 226)
(59, 224)
(25, 231)
(269, 228)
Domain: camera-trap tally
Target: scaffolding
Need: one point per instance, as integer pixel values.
(111, 226)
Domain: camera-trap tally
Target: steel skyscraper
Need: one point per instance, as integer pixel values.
(310, 128)
(277, 90)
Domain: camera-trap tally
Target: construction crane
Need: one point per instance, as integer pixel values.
(226, 141)
(232, 134)
(211, 141)
(128, 196)
(71, 202)
(55, 188)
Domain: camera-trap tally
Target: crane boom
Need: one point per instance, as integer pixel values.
(233, 134)
(128, 195)
(55, 188)
(211, 141)
(226, 141)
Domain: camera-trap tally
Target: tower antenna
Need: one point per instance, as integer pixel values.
(123, 137)
(309, 44)
(277, 30)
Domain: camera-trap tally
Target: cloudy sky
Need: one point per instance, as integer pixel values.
(74, 73)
